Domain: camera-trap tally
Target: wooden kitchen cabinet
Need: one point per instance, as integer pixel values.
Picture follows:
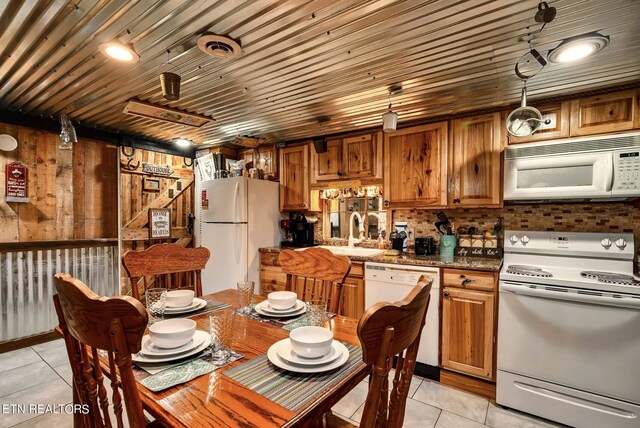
(613, 112)
(273, 279)
(415, 167)
(474, 162)
(263, 157)
(353, 292)
(558, 127)
(348, 158)
(327, 166)
(294, 178)
(469, 322)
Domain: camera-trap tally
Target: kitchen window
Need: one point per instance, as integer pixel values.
(338, 212)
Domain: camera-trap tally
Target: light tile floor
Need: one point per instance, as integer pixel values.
(41, 374)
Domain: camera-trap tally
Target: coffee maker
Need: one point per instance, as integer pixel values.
(299, 231)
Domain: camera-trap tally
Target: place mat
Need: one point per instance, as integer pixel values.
(288, 389)
(212, 305)
(168, 375)
(286, 323)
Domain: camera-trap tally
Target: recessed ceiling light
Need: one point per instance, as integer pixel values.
(119, 51)
(183, 142)
(578, 47)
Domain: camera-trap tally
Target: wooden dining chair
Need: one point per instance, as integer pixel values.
(92, 325)
(168, 264)
(388, 330)
(316, 273)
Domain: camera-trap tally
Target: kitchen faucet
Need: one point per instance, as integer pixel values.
(382, 221)
(353, 240)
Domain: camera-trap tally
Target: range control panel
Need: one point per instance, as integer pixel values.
(570, 243)
(627, 171)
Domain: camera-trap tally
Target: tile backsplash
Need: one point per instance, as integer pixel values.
(594, 217)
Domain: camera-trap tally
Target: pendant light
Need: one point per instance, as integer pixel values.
(389, 120)
(170, 80)
(67, 133)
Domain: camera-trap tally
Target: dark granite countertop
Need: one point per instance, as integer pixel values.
(475, 263)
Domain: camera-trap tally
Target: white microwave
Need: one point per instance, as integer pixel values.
(591, 168)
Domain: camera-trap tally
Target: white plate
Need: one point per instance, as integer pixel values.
(272, 355)
(150, 350)
(286, 353)
(259, 309)
(194, 306)
(266, 308)
(270, 308)
(140, 358)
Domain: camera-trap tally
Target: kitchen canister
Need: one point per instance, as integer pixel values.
(491, 242)
(448, 245)
(465, 240)
(477, 241)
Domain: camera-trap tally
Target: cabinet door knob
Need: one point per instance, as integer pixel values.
(467, 281)
(273, 260)
(446, 295)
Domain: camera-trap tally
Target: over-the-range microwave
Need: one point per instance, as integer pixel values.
(587, 168)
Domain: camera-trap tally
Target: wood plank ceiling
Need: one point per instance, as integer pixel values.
(301, 60)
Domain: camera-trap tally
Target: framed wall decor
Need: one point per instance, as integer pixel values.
(151, 184)
(159, 223)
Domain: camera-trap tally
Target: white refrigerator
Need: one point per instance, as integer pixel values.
(238, 215)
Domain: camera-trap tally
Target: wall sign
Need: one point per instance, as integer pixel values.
(159, 223)
(156, 169)
(17, 183)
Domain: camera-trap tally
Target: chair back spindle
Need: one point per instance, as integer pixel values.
(316, 273)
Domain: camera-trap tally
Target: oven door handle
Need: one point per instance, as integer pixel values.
(624, 302)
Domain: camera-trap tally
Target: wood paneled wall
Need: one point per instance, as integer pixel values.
(135, 200)
(73, 194)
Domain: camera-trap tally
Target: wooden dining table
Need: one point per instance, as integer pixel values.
(215, 400)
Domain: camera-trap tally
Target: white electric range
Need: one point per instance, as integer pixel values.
(569, 328)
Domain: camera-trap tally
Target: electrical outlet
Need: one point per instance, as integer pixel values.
(410, 235)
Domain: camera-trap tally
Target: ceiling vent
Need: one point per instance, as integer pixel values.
(219, 46)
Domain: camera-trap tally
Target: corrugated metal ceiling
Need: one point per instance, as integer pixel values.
(302, 60)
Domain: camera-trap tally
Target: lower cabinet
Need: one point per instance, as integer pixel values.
(273, 279)
(468, 324)
(353, 292)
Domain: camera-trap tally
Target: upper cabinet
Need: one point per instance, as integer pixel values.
(327, 165)
(558, 127)
(474, 161)
(415, 167)
(348, 158)
(294, 178)
(600, 114)
(604, 113)
(263, 157)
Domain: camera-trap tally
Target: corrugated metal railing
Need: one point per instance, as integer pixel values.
(27, 282)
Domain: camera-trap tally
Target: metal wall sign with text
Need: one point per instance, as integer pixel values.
(17, 183)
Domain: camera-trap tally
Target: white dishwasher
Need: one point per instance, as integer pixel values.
(385, 282)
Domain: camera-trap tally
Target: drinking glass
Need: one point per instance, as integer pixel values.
(221, 330)
(245, 295)
(317, 312)
(156, 303)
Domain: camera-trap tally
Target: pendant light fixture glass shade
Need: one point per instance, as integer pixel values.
(389, 121)
(67, 133)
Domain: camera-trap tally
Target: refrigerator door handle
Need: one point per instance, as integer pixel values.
(236, 201)
(237, 244)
